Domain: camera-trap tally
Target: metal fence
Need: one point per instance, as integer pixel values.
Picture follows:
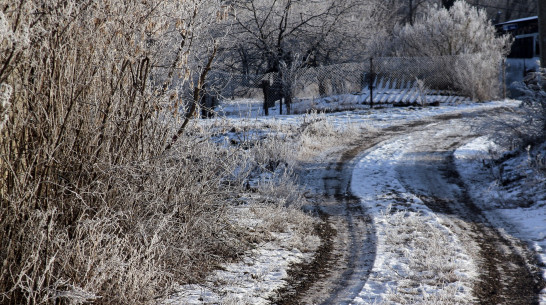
(515, 71)
(376, 80)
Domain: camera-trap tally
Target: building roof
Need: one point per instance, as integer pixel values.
(518, 20)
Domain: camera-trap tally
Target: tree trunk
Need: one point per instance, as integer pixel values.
(288, 104)
(448, 3)
(411, 12)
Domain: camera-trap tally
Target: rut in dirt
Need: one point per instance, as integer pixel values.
(346, 256)
(342, 278)
(508, 272)
(347, 252)
(362, 248)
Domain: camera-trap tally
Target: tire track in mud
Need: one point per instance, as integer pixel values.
(508, 270)
(345, 259)
(361, 233)
(510, 273)
(347, 252)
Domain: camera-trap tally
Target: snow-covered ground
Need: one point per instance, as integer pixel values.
(394, 209)
(410, 235)
(525, 186)
(249, 111)
(250, 281)
(417, 253)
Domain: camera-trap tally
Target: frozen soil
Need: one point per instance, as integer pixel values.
(418, 177)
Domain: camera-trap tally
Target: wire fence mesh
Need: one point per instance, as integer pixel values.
(382, 80)
(436, 75)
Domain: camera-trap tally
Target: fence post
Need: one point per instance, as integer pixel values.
(504, 78)
(280, 87)
(370, 84)
(265, 89)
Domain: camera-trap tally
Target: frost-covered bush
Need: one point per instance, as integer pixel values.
(5, 94)
(462, 31)
(107, 195)
(533, 97)
(93, 208)
(13, 40)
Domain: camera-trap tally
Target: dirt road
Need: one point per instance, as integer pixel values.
(348, 258)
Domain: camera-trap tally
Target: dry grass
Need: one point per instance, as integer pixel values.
(318, 133)
(93, 205)
(93, 208)
(160, 222)
(430, 270)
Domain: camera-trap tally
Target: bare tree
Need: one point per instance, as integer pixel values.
(268, 35)
(268, 32)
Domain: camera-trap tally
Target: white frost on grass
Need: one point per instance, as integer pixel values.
(419, 259)
(526, 223)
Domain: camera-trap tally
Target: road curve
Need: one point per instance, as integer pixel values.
(508, 272)
(507, 269)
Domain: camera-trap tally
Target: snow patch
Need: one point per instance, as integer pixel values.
(251, 281)
(526, 223)
(418, 257)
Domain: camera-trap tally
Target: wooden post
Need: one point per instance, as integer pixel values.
(265, 90)
(279, 90)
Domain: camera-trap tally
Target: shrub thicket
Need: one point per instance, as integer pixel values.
(92, 205)
(531, 128)
(462, 30)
